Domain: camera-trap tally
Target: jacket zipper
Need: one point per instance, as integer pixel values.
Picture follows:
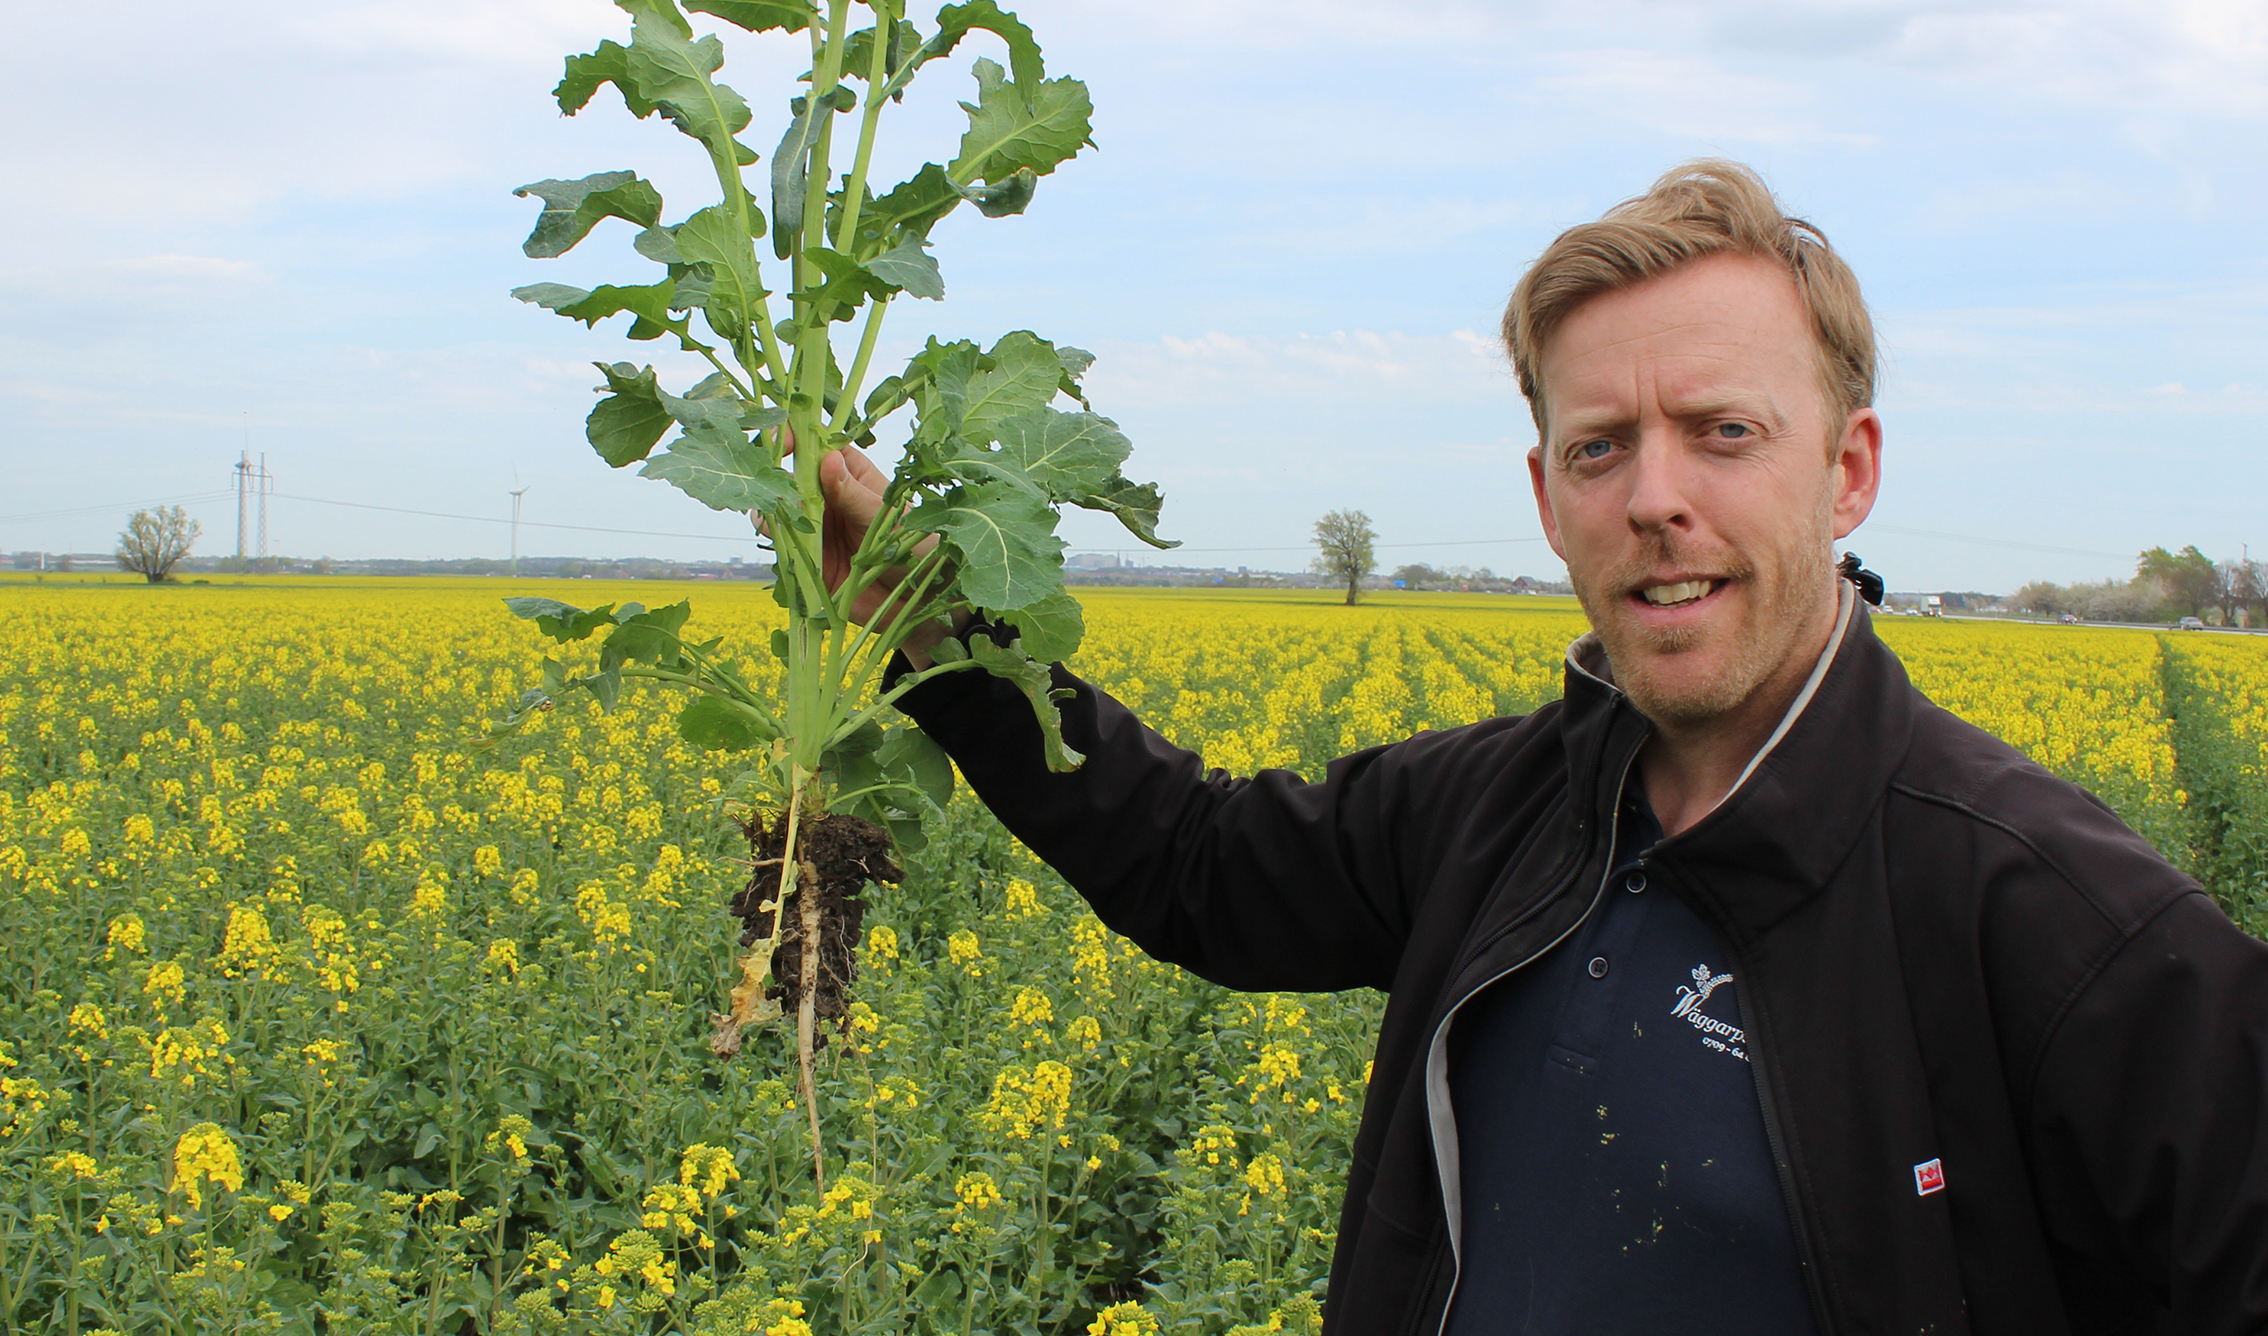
(1440, 1029)
(1759, 1046)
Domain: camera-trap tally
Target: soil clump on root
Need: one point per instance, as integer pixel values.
(839, 855)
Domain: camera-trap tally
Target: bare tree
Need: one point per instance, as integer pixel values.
(1345, 538)
(155, 540)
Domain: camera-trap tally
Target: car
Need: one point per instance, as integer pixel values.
(2071, 619)
(2192, 624)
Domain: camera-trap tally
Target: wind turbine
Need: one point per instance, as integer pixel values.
(516, 527)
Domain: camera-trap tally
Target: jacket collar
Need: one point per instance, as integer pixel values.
(1801, 803)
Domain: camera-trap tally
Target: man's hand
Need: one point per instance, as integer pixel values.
(853, 488)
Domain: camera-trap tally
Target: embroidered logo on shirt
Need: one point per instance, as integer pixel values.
(1929, 1176)
(1715, 1033)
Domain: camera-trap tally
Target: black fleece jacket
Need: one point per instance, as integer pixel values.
(1946, 954)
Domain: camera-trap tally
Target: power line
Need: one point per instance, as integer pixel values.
(122, 505)
(498, 519)
(2000, 542)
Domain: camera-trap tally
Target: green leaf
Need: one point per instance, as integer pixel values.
(848, 283)
(711, 722)
(791, 165)
(572, 208)
(647, 637)
(1023, 376)
(1032, 678)
(1010, 195)
(913, 754)
(719, 467)
(858, 54)
(1009, 555)
(758, 15)
(649, 303)
(1009, 131)
(610, 64)
(955, 22)
(713, 237)
(658, 244)
(914, 205)
(1135, 504)
(1051, 628)
(673, 72)
(910, 269)
(626, 424)
(1023, 52)
(563, 622)
(1067, 454)
(1075, 363)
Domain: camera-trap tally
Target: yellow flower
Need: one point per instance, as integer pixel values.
(707, 1168)
(87, 1019)
(126, 934)
(246, 945)
(961, 947)
(977, 1191)
(1025, 1100)
(166, 982)
(279, 1212)
(205, 1154)
(512, 1132)
(487, 861)
(1124, 1319)
(504, 957)
(1023, 899)
(1265, 1175)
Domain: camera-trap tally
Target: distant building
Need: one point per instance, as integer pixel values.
(1093, 561)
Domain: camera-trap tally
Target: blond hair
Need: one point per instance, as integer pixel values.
(1706, 207)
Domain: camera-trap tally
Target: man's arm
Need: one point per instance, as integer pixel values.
(2150, 1120)
(1262, 883)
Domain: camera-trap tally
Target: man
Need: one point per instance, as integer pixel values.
(1742, 989)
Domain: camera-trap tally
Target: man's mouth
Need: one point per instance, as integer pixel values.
(1679, 594)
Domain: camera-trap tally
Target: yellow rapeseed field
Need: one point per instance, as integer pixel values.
(323, 1016)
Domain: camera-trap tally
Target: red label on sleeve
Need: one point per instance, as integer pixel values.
(1929, 1176)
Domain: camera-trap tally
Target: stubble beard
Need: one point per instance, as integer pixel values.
(1750, 654)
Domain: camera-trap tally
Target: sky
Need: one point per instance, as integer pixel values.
(290, 229)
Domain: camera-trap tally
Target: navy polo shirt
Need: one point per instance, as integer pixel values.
(1615, 1170)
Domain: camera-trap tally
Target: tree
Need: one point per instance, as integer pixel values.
(2240, 589)
(155, 540)
(1418, 576)
(1345, 537)
(2187, 580)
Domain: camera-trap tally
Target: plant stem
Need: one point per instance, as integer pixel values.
(855, 379)
(854, 192)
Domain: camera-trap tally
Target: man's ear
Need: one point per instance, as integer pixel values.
(1543, 502)
(1857, 469)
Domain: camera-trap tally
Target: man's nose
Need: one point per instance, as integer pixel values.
(1658, 489)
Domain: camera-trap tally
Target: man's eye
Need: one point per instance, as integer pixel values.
(1733, 431)
(1593, 449)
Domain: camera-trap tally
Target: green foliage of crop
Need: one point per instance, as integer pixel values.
(2217, 697)
(442, 1012)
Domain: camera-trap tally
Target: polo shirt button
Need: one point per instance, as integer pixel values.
(1635, 882)
(1598, 967)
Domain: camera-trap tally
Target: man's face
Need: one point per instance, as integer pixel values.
(1695, 485)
